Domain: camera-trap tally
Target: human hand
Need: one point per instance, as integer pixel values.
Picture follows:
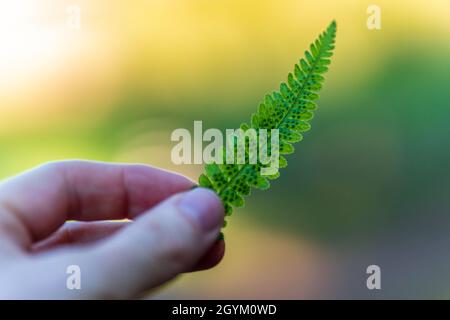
(174, 230)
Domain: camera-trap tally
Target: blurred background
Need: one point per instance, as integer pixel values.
(370, 184)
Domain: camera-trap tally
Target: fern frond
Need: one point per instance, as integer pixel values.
(289, 110)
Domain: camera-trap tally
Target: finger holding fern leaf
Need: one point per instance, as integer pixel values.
(289, 110)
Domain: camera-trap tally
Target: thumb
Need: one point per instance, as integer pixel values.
(165, 241)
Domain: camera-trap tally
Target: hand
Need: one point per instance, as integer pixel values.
(174, 230)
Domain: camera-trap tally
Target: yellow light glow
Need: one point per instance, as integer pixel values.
(25, 45)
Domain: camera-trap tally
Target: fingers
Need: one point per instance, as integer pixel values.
(76, 233)
(35, 204)
(211, 258)
(82, 233)
(160, 244)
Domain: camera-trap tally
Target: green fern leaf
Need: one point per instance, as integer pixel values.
(289, 111)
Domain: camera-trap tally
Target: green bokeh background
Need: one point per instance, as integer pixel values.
(369, 184)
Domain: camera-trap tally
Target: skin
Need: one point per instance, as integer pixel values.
(62, 214)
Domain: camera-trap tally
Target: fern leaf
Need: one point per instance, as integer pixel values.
(289, 110)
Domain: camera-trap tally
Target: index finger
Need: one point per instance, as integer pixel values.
(37, 202)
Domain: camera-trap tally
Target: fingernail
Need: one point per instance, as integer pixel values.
(203, 206)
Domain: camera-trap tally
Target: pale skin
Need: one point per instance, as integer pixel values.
(174, 230)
